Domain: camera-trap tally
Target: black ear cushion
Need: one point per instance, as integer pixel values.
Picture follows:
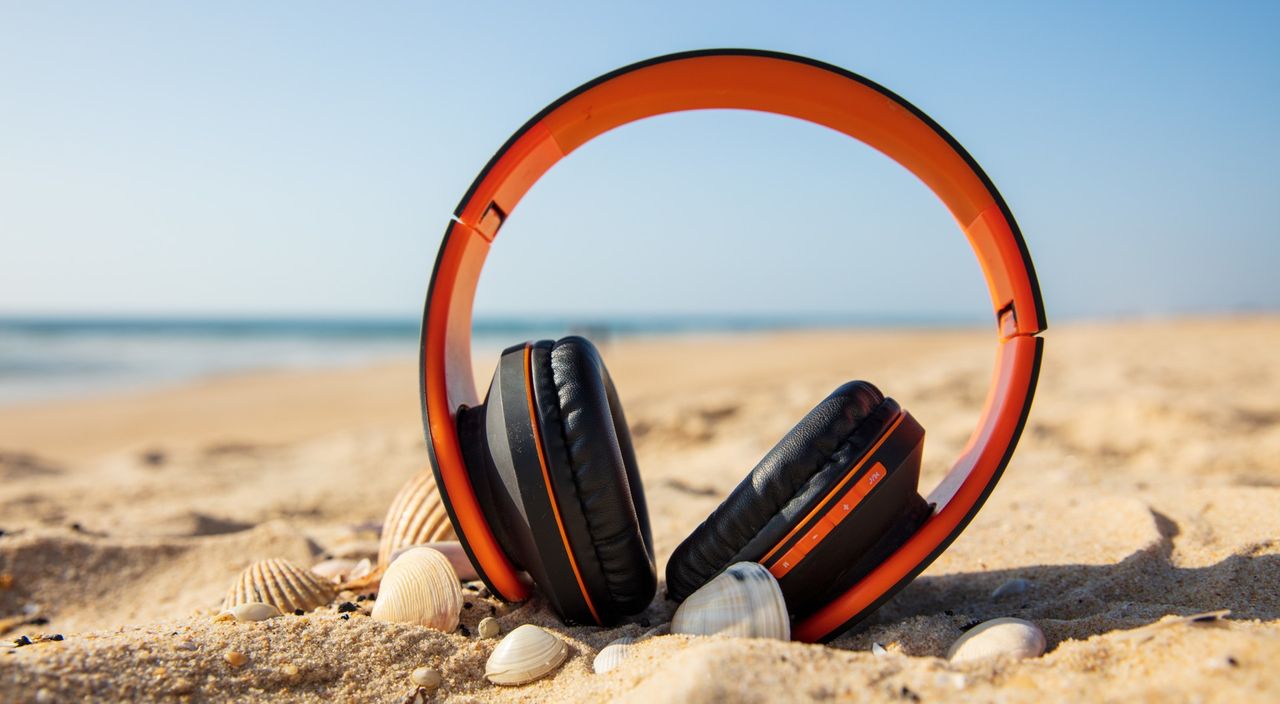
(578, 403)
(801, 468)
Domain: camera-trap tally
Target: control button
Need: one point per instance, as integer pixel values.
(875, 475)
(816, 534)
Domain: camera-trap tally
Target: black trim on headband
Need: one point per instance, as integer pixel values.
(762, 53)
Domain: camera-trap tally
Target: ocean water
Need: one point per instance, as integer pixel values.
(44, 358)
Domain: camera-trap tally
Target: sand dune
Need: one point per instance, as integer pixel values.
(1147, 485)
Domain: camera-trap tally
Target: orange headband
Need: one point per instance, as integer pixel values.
(769, 82)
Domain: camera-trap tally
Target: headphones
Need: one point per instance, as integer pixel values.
(541, 476)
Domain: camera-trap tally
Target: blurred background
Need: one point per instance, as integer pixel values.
(191, 189)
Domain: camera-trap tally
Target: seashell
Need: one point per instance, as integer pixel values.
(363, 569)
(254, 611)
(334, 570)
(451, 549)
(426, 677)
(878, 650)
(488, 627)
(744, 600)
(420, 587)
(1011, 587)
(1001, 636)
(613, 654)
(417, 515)
(281, 584)
(526, 654)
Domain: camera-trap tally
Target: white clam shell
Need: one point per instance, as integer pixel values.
(282, 584)
(613, 654)
(998, 637)
(744, 600)
(254, 611)
(420, 587)
(526, 654)
(417, 515)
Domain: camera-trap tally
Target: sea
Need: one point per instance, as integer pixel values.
(59, 357)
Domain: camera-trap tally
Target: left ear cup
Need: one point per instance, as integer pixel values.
(797, 500)
(557, 473)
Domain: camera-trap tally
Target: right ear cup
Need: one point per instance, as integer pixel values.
(551, 456)
(836, 491)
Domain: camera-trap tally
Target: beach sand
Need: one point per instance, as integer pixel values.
(1147, 485)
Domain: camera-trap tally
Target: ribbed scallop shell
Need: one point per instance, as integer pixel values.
(420, 587)
(417, 515)
(526, 654)
(612, 655)
(744, 601)
(281, 584)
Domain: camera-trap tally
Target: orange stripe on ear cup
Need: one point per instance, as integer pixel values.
(852, 471)
(546, 478)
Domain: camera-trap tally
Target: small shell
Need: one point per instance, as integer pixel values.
(417, 515)
(334, 570)
(526, 654)
(744, 600)
(1011, 587)
(362, 569)
(1001, 636)
(488, 627)
(254, 611)
(612, 655)
(420, 587)
(426, 677)
(281, 584)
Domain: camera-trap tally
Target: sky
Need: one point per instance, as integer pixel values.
(242, 158)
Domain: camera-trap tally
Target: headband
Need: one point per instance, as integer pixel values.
(768, 82)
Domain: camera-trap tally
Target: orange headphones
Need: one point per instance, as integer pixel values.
(541, 477)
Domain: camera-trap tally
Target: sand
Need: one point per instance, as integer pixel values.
(1147, 485)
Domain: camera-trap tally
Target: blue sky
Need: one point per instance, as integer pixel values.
(303, 158)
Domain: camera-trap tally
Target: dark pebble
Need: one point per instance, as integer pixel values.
(56, 636)
(473, 587)
(361, 597)
(463, 630)
(467, 604)
(77, 527)
(906, 693)
(347, 607)
(22, 640)
(1232, 661)
(1, 532)
(298, 612)
(969, 624)
(346, 617)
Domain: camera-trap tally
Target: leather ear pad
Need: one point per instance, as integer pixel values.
(587, 440)
(809, 460)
